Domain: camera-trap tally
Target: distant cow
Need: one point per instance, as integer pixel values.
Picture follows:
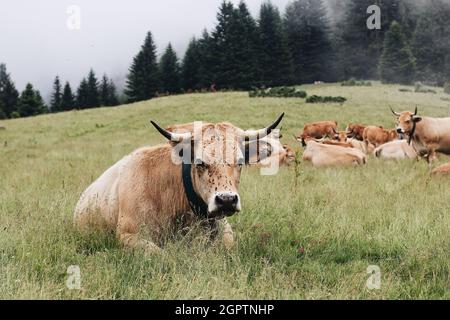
(170, 186)
(355, 131)
(426, 135)
(318, 130)
(282, 154)
(323, 155)
(398, 149)
(378, 135)
(2, 128)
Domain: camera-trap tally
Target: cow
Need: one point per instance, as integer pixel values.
(426, 135)
(360, 145)
(355, 131)
(322, 155)
(318, 130)
(378, 135)
(168, 187)
(397, 149)
(442, 170)
(276, 153)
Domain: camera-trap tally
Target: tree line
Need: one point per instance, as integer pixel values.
(311, 40)
(91, 93)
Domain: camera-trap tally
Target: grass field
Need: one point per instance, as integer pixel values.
(306, 237)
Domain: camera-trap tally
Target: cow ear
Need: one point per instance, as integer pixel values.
(417, 119)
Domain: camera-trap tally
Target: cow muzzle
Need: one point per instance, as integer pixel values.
(224, 204)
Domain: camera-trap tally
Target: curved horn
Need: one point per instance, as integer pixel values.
(395, 113)
(175, 137)
(258, 134)
(415, 112)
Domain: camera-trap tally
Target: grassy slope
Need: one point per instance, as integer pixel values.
(345, 218)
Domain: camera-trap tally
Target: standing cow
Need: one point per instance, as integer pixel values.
(426, 135)
(156, 189)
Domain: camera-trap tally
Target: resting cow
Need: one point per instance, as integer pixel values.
(378, 135)
(355, 131)
(165, 187)
(323, 155)
(398, 149)
(318, 130)
(427, 135)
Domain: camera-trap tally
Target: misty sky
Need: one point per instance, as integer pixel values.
(36, 43)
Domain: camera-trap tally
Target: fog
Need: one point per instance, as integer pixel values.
(37, 44)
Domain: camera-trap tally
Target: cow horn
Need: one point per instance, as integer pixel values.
(395, 113)
(415, 112)
(175, 137)
(258, 134)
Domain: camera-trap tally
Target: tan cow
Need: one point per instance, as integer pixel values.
(323, 155)
(166, 187)
(276, 153)
(378, 135)
(318, 130)
(427, 135)
(397, 149)
(360, 145)
(355, 131)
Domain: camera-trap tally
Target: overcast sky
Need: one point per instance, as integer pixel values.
(36, 43)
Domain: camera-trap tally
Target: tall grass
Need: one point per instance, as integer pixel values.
(303, 234)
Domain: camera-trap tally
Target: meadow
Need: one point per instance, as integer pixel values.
(304, 233)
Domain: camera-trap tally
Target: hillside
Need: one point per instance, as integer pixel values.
(310, 236)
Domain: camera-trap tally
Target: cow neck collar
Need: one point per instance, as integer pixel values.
(413, 131)
(198, 206)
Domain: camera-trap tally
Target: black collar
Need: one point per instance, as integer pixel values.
(198, 206)
(411, 135)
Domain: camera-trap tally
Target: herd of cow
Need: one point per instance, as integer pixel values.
(170, 187)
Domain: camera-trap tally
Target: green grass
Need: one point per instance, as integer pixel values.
(385, 213)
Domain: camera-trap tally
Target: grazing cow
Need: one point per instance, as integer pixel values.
(167, 187)
(322, 155)
(398, 149)
(427, 135)
(444, 169)
(355, 131)
(378, 135)
(318, 130)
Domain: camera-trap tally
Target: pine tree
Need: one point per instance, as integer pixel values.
(170, 71)
(190, 69)
(68, 99)
(30, 102)
(360, 47)
(308, 32)
(113, 98)
(82, 94)
(143, 78)
(206, 60)
(397, 64)
(9, 96)
(93, 95)
(222, 46)
(2, 113)
(274, 58)
(244, 45)
(431, 43)
(108, 94)
(55, 102)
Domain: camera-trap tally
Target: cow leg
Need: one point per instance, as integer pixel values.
(431, 156)
(128, 234)
(227, 234)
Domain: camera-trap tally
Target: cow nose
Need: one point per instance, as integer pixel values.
(399, 130)
(226, 200)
